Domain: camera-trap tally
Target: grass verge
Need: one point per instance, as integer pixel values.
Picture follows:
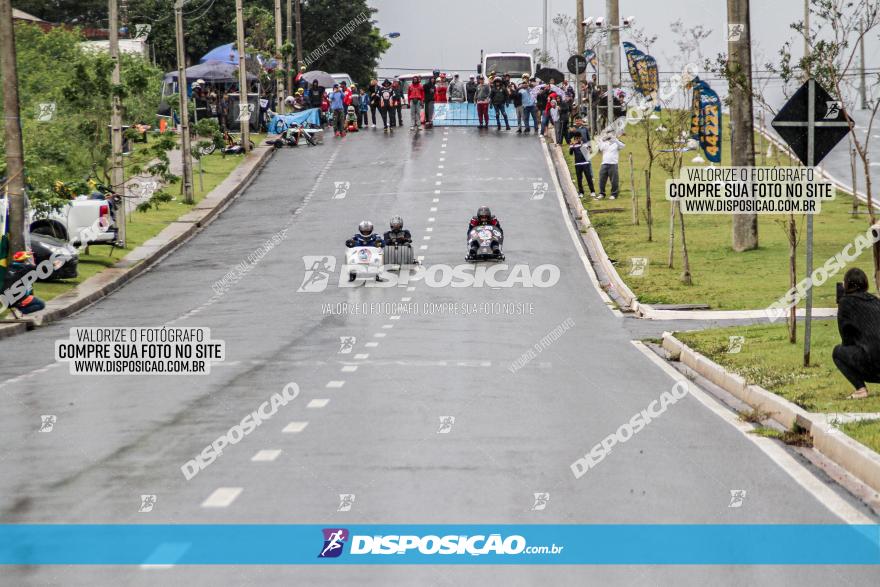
(721, 278)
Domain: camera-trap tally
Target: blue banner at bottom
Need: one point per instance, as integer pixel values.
(245, 544)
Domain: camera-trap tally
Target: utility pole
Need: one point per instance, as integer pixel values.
(742, 140)
(863, 88)
(299, 37)
(290, 41)
(581, 42)
(117, 173)
(243, 102)
(614, 21)
(14, 148)
(544, 32)
(279, 79)
(185, 150)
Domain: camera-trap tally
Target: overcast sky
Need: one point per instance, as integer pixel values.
(450, 33)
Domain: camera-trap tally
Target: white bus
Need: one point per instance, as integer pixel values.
(509, 62)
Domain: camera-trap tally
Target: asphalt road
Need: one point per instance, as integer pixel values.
(372, 415)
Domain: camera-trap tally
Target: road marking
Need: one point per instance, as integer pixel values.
(819, 490)
(435, 200)
(438, 183)
(394, 317)
(380, 335)
(266, 455)
(387, 326)
(222, 497)
(405, 299)
(361, 356)
(439, 167)
(335, 384)
(429, 229)
(436, 192)
(412, 287)
(318, 403)
(575, 238)
(442, 152)
(434, 209)
(372, 344)
(426, 238)
(295, 427)
(442, 158)
(349, 368)
(423, 248)
(439, 174)
(431, 219)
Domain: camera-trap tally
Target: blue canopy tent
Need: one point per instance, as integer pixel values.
(229, 54)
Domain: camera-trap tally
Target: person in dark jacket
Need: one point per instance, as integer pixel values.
(582, 167)
(498, 98)
(26, 302)
(398, 235)
(384, 100)
(471, 89)
(372, 90)
(858, 321)
(365, 237)
(316, 94)
(429, 86)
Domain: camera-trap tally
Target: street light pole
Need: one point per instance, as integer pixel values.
(243, 102)
(299, 38)
(279, 79)
(13, 145)
(290, 42)
(117, 175)
(185, 152)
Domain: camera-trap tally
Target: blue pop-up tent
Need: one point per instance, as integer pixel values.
(229, 54)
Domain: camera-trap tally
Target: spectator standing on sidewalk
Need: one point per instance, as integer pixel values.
(858, 321)
(610, 147)
(482, 98)
(316, 94)
(415, 94)
(498, 96)
(363, 109)
(337, 110)
(561, 125)
(471, 89)
(582, 167)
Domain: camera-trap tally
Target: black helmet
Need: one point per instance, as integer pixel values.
(396, 223)
(365, 228)
(483, 213)
(386, 82)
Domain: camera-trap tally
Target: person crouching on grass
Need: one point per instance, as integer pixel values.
(858, 321)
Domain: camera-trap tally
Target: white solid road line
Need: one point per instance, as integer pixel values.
(295, 427)
(266, 455)
(819, 490)
(222, 497)
(574, 236)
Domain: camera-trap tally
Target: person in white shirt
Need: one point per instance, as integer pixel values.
(610, 146)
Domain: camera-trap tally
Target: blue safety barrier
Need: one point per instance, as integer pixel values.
(310, 116)
(465, 114)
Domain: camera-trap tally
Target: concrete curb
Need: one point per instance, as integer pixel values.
(142, 258)
(612, 283)
(853, 456)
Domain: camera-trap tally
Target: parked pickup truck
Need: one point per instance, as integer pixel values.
(86, 220)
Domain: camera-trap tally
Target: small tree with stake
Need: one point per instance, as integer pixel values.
(674, 138)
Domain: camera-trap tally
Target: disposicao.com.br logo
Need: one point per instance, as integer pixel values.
(334, 540)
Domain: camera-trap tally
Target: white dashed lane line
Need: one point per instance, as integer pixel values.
(335, 384)
(380, 335)
(222, 497)
(372, 345)
(361, 356)
(387, 326)
(349, 369)
(394, 317)
(431, 219)
(318, 403)
(295, 427)
(403, 299)
(266, 455)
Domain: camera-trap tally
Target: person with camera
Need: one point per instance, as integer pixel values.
(858, 321)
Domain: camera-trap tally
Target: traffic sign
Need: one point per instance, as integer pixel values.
(577, 64)
(828, 120)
